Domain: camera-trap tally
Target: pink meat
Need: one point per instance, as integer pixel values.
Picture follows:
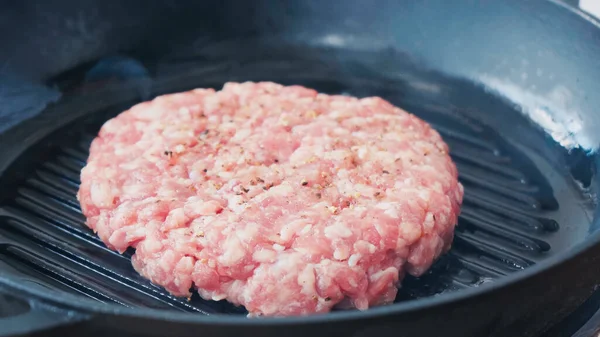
(277, 198)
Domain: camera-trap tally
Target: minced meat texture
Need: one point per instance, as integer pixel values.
(277, 198)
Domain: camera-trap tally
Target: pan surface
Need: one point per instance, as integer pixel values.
(527, 169)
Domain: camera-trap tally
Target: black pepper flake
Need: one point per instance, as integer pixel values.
(433, 217)
(327, 299)
(377, 194)
(318, 195)
(276, 160)
(260, 180)
(168, 153)
(205, 170)
(304, 183)
(245, 189)
(386, 172)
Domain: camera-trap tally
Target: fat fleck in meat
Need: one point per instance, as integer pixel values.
(277, 198)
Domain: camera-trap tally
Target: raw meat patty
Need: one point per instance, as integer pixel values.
(277, 198)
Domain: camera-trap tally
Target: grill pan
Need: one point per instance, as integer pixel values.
(525, 252)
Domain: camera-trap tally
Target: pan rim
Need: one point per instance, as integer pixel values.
(84, 305)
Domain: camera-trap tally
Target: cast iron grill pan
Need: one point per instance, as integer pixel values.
(508, 222)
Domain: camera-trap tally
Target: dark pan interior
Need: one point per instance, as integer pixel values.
(526, 197)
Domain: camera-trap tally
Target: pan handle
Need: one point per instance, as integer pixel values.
(39, 317)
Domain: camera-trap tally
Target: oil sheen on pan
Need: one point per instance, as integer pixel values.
(277, 198)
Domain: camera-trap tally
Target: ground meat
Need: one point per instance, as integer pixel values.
(277, 198)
